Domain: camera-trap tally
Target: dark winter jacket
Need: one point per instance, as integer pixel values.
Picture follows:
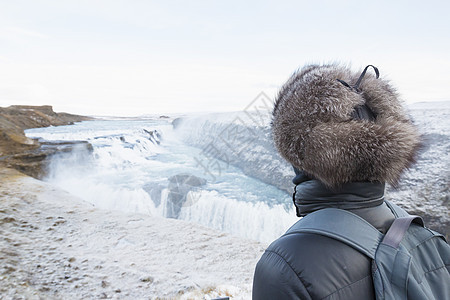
(310, 266)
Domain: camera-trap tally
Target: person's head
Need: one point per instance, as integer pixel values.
(341, 126)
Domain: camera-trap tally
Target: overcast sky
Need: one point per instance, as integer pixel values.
(142, 57)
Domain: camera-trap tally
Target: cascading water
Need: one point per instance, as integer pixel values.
(144, 166)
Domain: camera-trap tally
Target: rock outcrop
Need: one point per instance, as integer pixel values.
(28, 155)
(179, 186)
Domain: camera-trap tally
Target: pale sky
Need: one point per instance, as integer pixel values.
(135, 57)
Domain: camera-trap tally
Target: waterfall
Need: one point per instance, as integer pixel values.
(144, 166)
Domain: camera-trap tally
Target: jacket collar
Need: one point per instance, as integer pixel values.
(311, 195)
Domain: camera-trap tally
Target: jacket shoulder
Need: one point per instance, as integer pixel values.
(311, 266)
(275, 278)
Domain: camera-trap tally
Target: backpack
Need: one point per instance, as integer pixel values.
(409, 262)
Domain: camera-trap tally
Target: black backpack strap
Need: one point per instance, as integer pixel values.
(343, 226)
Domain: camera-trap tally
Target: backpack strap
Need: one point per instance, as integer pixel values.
(398, 230)
(343, 226)
(353, 230)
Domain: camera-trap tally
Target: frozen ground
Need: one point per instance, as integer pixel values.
(55, 246)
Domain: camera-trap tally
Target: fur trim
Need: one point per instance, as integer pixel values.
(313, 130)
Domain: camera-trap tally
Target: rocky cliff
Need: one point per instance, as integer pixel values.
(25, 154)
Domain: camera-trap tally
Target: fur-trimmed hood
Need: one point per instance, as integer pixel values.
(314, 130)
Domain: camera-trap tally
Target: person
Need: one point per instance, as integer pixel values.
(346, 135)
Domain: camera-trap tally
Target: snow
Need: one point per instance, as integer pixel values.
(55, 245)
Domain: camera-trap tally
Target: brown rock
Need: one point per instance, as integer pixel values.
(25, 154)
